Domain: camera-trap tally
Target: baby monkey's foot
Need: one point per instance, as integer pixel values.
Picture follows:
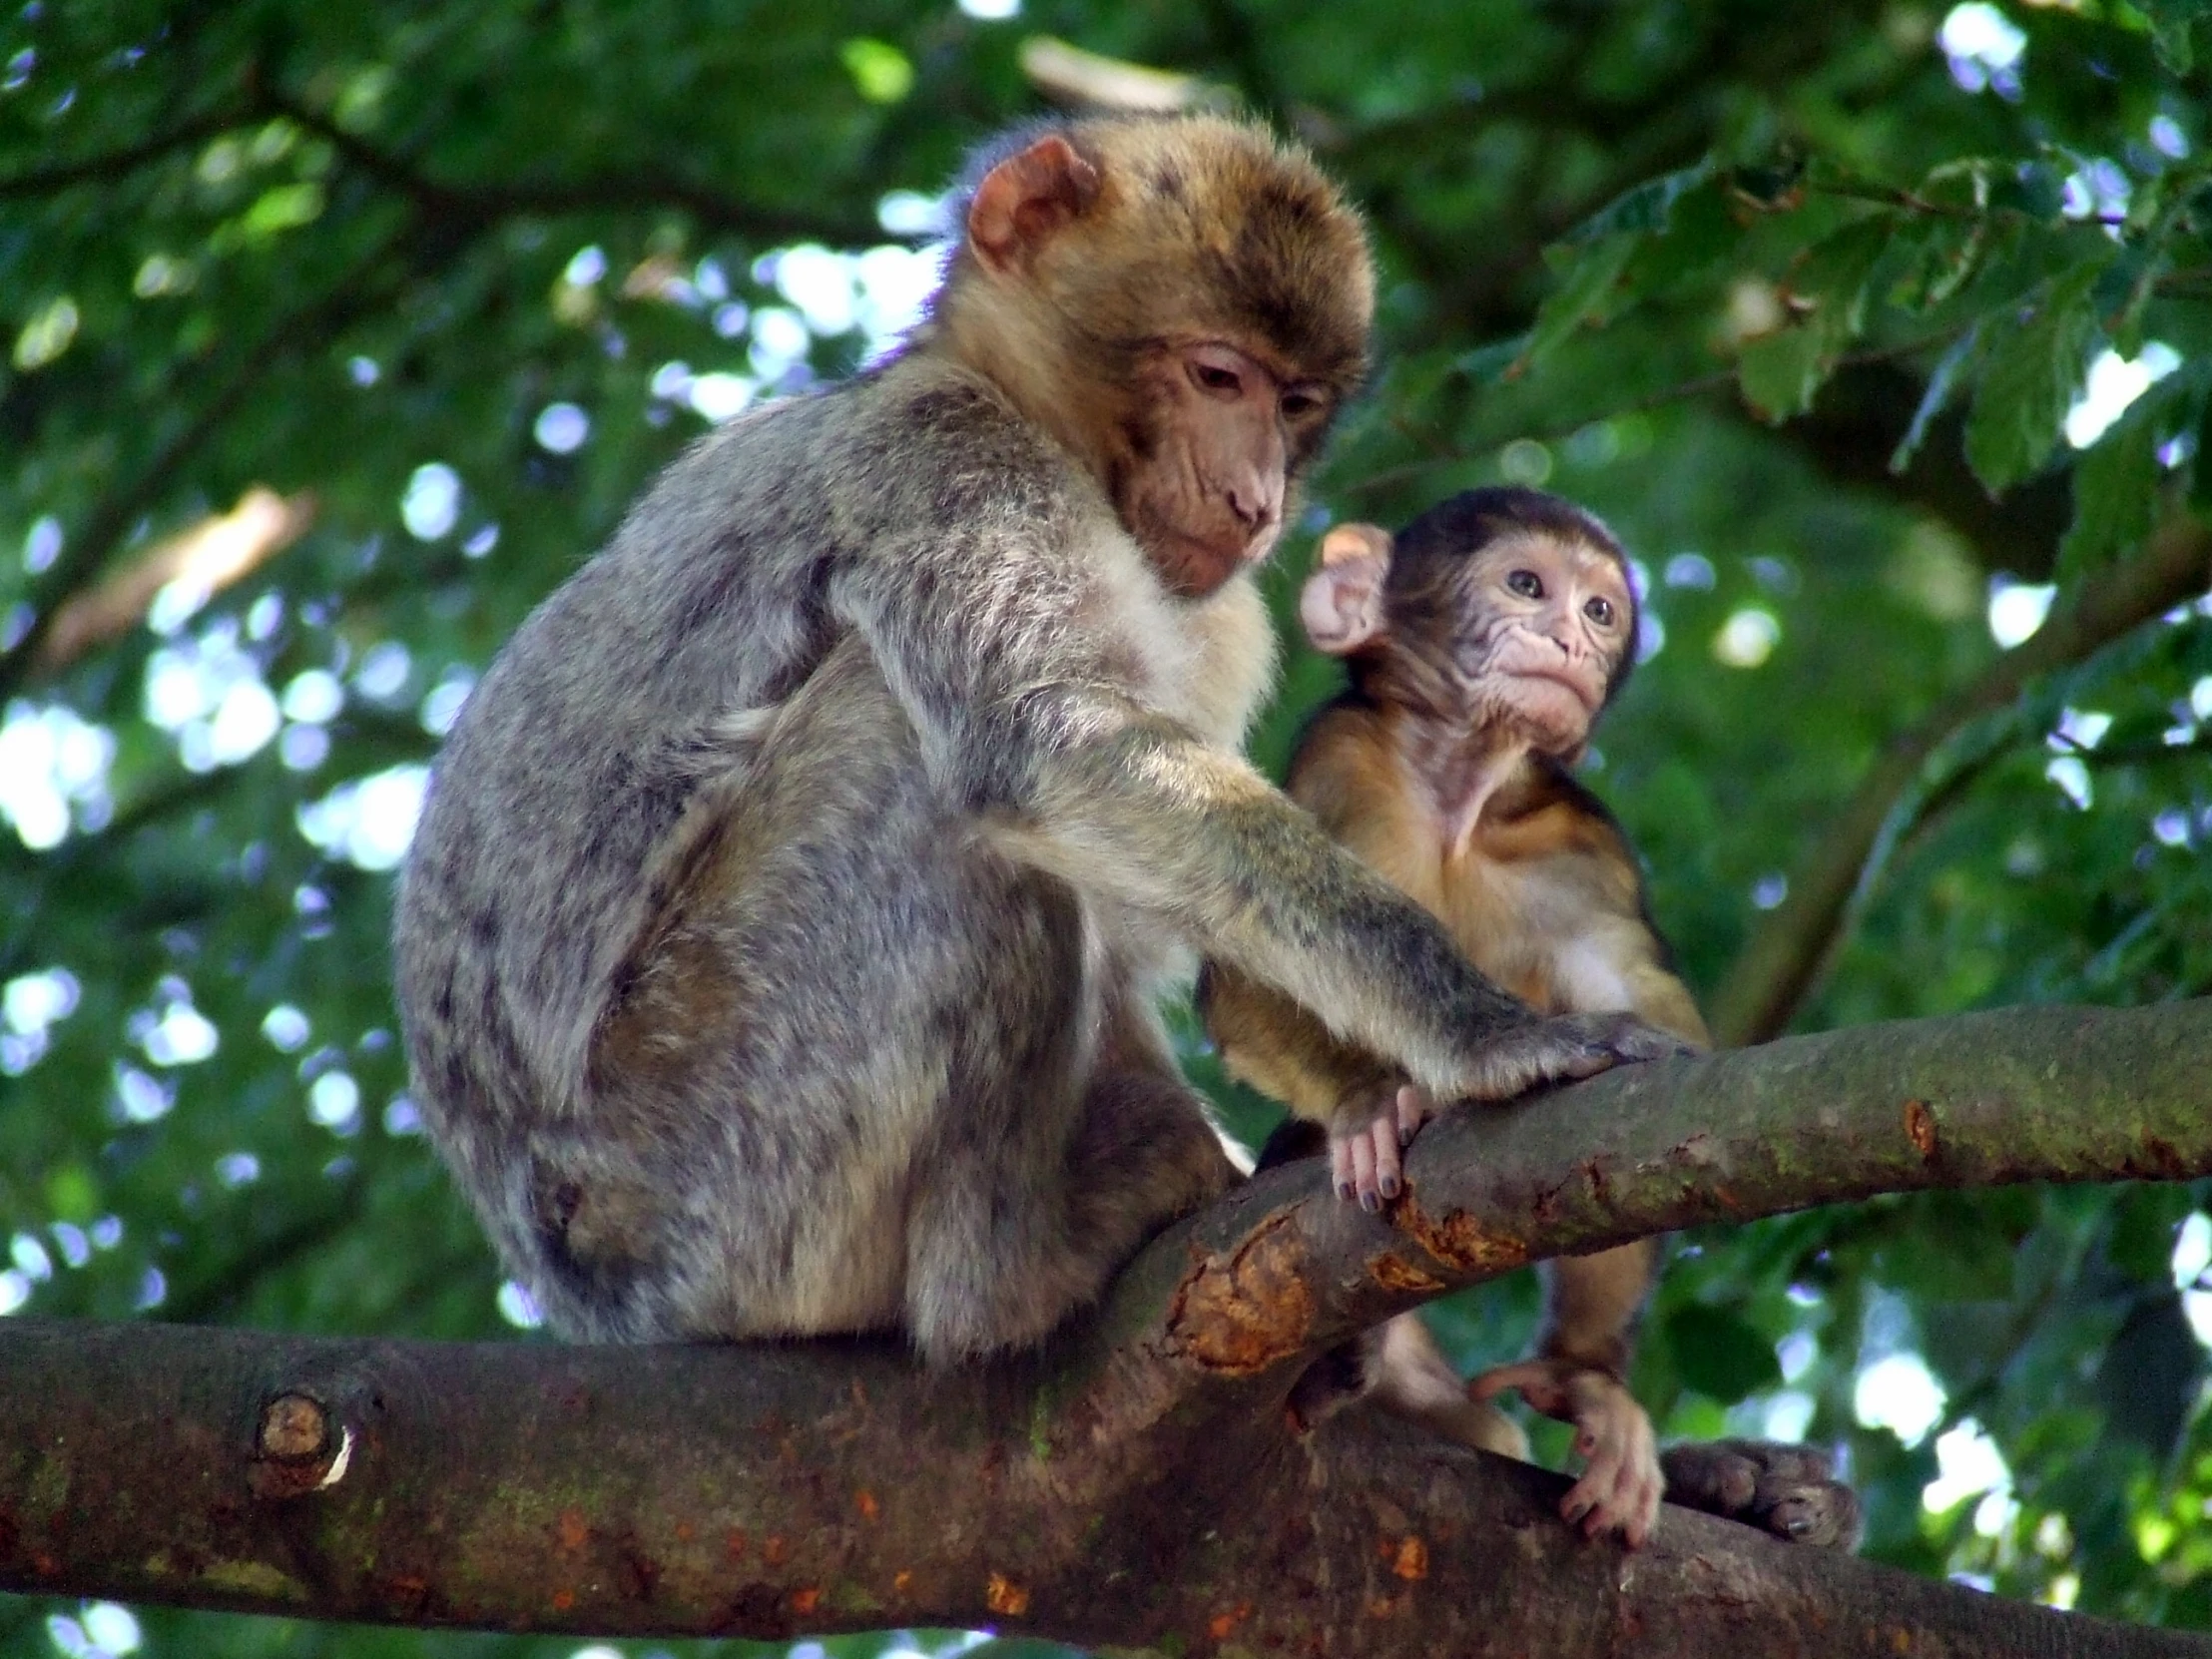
(1371, 1132)
(1621, 1482)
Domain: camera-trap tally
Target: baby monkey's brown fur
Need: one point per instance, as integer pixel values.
(1484, 642)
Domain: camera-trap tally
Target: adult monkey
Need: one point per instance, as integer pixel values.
(780, 943)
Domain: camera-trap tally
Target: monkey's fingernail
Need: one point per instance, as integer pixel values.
(1390, 1185)
(1344, 1192)
(1370, 1203)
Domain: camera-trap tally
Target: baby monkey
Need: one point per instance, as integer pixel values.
(1484, 641)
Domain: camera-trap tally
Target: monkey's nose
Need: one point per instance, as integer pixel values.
(1254, 503)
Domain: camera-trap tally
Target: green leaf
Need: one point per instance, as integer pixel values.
(1581, 296)
(1719, 1353)
(2171, 24)
(285, 207)
(1643, 211)
(1955, 360)
(883, 72)
(1833, 275)
(2032, 376)
(2115, 488)
(1487, 365)
(1779, 372)
(2200, 481)
(1950, 252)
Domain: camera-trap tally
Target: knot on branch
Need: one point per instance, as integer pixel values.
(297, 1449)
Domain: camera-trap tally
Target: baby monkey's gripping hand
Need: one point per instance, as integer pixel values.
(1370, 1131)
(1621, 1480)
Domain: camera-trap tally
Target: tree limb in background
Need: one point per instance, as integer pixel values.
(1138, 1483)
(197, 563)
(474, 203)
(1082, 80)
(1781, 959)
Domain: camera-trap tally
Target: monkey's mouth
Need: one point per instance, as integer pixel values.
(1195, 566)
(1590, 701)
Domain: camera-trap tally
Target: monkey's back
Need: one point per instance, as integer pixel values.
(688, 921)
(717, 994)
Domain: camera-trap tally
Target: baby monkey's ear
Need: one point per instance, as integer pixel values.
(1342, 603)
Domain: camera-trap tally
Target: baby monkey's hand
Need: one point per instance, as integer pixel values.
(1371, 1130)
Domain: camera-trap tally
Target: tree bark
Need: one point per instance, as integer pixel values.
(1137, 1483)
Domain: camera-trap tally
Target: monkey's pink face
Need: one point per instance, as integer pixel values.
(1204, 486)
(1549, 620)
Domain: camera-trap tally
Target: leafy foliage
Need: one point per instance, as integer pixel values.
(1802, 298)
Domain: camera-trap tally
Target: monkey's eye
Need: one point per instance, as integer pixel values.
(1298, 405)
(1600, 611)
(1527, 583)
(1215, 379)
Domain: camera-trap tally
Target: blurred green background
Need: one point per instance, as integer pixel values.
(335, 336)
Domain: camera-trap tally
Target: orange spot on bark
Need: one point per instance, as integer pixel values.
(563, 1600)
(870, 1508)
(772, 1551)
(1919, 1127)
(1241, 1313)
(1458, 1240)
(1394, 1275)
(805, 1601)
(1004, 1597)
(685, 1532)
(1412, 1560)
(571, 1529)
(902, 1581)
(1222, 1624)
(1901, 1640)
(734, 1543)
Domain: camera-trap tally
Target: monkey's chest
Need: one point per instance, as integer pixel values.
(1535, 928)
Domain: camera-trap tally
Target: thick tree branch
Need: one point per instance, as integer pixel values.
(1136, 1484)
(106, 167)
(485, 201)
(1778, 963)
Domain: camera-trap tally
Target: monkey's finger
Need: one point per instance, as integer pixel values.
(1339, 1166)
(1383, 1133)
(1414, 1108)
(1363, 1171)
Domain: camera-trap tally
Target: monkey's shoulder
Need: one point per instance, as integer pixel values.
(937, 440)
(1345, 767)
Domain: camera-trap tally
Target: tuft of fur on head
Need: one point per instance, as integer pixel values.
(1203, 229)
(1432, 557)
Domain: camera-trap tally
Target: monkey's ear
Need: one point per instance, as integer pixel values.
(1026, 198)
(1342, 605)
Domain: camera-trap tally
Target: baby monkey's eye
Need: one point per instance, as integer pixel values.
(1297, 404)
(1214, 377)
(1527, 583)
(1600, 611)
